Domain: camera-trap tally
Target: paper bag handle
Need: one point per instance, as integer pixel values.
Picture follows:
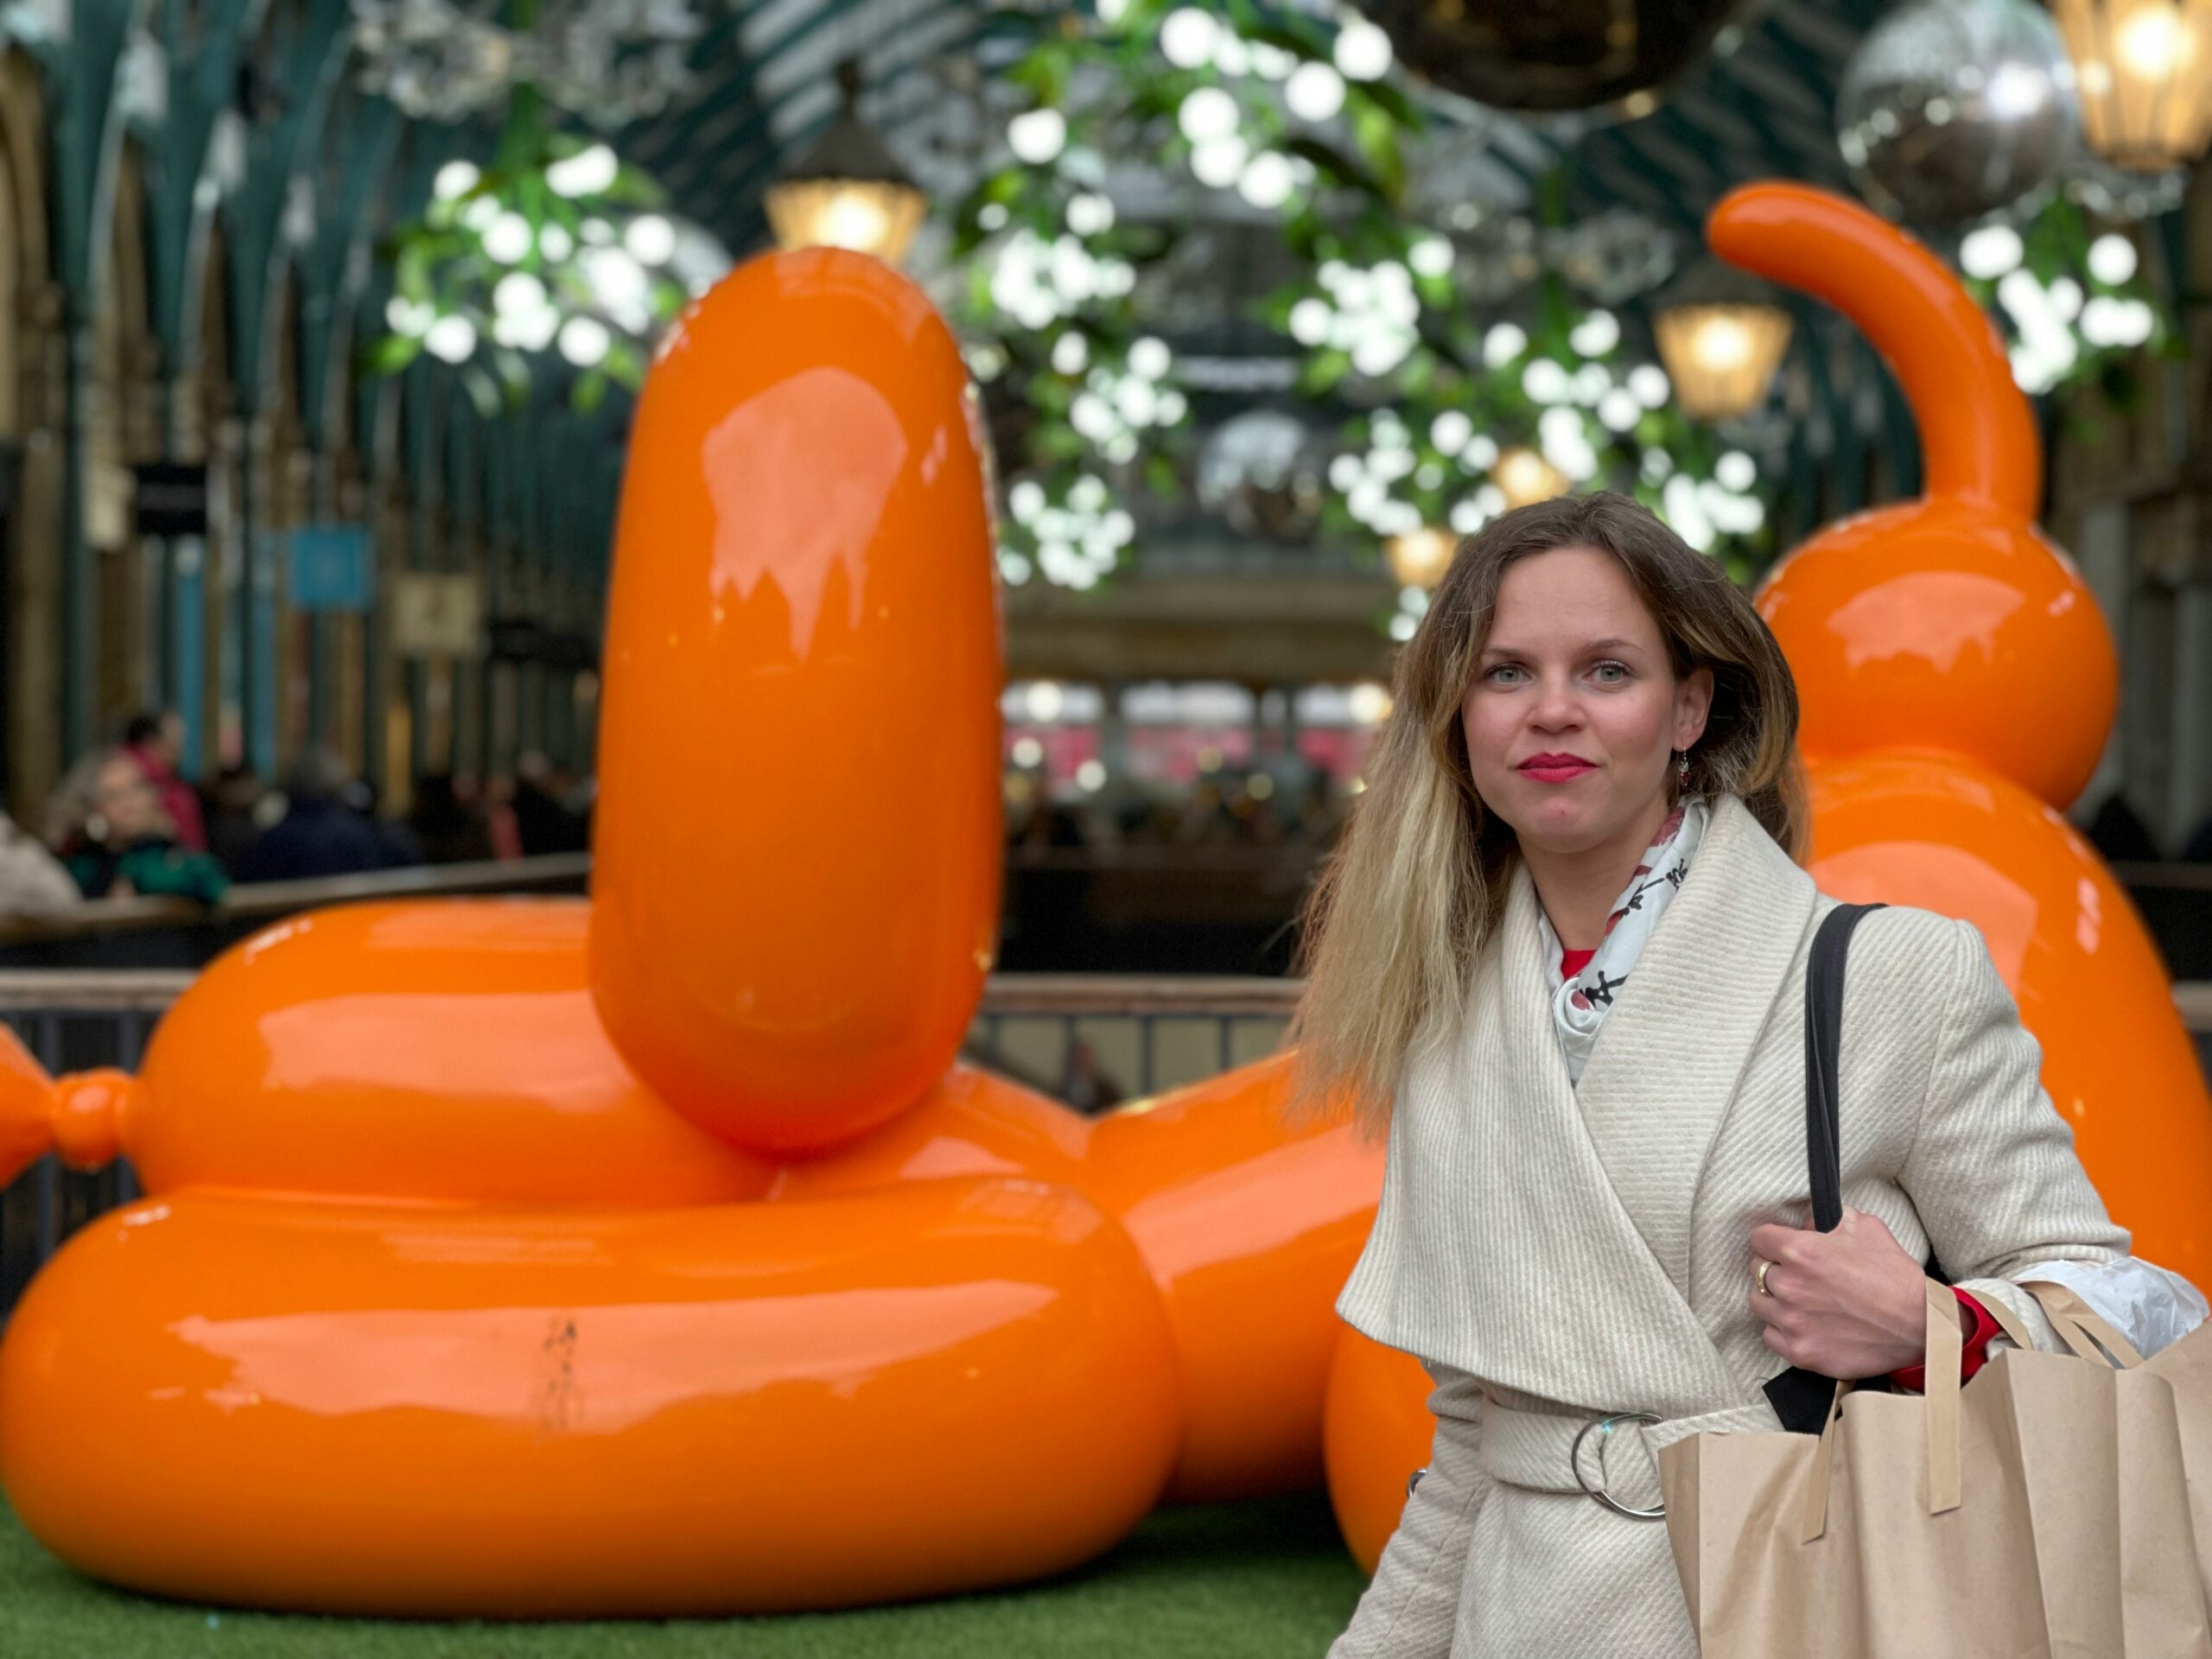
(1944, 1351)
(2079, 1326)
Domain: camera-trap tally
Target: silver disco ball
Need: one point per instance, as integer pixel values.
(1953, 109)
(1261, 472)
(2120, 192)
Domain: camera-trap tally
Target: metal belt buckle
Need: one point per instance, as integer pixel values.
(1574, 1463)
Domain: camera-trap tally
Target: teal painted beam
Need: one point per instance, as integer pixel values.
(729, 130)
(84, 136)
(1610, 155)
(335, 268)
(312, 48)
(277, 155)
(84, 141)
(403, 189)
(748, 145)
(722, 46)
(203, 63)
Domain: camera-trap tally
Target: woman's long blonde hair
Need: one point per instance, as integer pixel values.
(1418, 881)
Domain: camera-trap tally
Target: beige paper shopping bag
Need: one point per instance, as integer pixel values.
(2041, 1511)
(2186, 1367)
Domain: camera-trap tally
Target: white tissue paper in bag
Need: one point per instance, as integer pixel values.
(2150, 1306)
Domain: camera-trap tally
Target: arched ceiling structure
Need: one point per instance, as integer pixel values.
(253, 115)
(1759, 106)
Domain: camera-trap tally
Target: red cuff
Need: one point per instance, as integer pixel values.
(1974, 1355)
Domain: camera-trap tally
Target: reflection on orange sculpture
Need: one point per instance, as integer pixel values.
(655, 1255)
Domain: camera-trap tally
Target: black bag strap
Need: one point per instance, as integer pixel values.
(1823, 1047)
(1802, 1398)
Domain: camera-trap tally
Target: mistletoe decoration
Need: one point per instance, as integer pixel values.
(1449, 398)
(1298, 118)
(2074, 309)
(556, 244)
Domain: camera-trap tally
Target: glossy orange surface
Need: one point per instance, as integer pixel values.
(1935, 625)
(423, 1051)
(796, 885)
(1251, 1231)
(1377, 1432)
(967, 1123)
(737, 1408)
(1947, 622)
(1931, 831)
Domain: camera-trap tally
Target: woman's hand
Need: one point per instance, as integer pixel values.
(1848, 1303)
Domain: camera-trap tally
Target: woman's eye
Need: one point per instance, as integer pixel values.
(1504, 668)
(1619, 668)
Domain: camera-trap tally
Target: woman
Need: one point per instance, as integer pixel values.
(106, 822)
(1561, 955)
(31, 881)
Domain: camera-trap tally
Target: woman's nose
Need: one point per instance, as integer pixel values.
(1555, 705)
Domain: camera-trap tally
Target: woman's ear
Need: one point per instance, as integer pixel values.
(1693, 705)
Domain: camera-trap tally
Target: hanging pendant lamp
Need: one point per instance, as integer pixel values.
(848, 192)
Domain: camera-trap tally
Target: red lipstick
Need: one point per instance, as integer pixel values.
(1556, 768)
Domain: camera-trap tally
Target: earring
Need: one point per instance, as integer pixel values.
(1682, 765)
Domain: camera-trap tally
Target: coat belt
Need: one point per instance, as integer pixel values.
(1530, 1449)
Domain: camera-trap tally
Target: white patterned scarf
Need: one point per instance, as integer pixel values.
(1579, 1005)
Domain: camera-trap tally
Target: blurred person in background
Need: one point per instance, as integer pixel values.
(500, 817)
(106, 823)
(156, 743)
(401, 845)
(546, 819)
(324, 830)
(1035, 822)
(1083, 1084)
(237, 809)
(449, 821)
(31, 881)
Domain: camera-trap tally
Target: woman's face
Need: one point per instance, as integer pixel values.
(128, 802)
(1575, 673)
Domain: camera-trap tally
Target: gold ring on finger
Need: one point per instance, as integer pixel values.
(1764, 1265)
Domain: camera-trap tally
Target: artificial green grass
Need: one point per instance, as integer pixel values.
(1269, 1579)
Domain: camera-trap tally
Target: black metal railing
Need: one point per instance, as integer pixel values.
(117, 934)
(1145, 1034)
(71, 1029)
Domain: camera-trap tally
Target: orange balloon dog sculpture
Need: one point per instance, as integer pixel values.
(656, 1256)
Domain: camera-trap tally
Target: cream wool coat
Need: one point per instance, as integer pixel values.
(1553, 1253)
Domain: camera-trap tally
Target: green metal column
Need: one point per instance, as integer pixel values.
(84, 138)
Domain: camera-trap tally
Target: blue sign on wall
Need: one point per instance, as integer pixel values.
(332, 568)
